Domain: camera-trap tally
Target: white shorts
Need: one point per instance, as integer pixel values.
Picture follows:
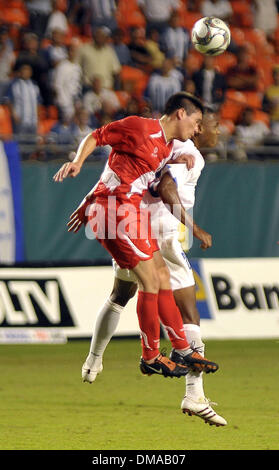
(181, 273)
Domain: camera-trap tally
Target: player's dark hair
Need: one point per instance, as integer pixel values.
(183, 100)
(208, 110)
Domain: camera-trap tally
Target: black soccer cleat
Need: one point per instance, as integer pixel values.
(163, 366)
(195, 361)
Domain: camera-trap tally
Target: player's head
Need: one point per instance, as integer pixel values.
(184, 111)
(25, 71)
(209, 131)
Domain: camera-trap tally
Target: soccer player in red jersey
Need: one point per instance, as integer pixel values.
(141, 147)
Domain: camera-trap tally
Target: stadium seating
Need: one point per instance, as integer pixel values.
(242, 14)
(224, 61)
(5, 122)
(15, 13)
(136, 77)
(129, 15)
(232, 108)
(189, 18)
(47, 117)
(262, 53)
(253, 99)
(123, 98)
(237, 35)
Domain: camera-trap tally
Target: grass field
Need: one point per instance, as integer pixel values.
(45, 405)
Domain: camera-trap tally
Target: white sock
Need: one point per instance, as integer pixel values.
(194, 380)
(105, 326)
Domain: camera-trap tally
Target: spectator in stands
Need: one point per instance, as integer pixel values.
(81, 126)
(157, 13)
(265, 16)
(243, 76)
(67, 91)
(162, 85)
(7, 60)
(57, 20)
(57, 50)
(140, 56)
(62, 132)
(6, 39)
(249, 133)
(23, 97)
(99, 57)
(34, 56)
(132, 108)
(77, 13)
(189, 86)
(95, 99)
(271, 102)
(153, 48)
(101, 13)
(210, 84)
(219, 8)
(175, 40)
(121, 49)
(194, 5)
(39, 11)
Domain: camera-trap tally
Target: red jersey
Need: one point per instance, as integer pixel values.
(139, 149)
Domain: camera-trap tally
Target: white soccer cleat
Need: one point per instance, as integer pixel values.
(203, 410)
(89, 374)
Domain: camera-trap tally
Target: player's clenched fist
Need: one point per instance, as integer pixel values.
(203, 236)
(71, 169)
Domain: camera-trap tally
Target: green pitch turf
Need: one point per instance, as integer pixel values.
(44, 405)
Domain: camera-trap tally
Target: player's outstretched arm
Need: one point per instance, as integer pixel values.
(72, 169)
(169, 195)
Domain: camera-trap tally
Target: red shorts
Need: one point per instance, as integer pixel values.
(124, 230)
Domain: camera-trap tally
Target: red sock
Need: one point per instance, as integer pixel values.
(171, 319)
(147, 310)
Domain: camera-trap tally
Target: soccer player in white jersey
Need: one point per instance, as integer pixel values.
(168, 233)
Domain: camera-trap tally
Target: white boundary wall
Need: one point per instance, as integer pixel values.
(237, 298)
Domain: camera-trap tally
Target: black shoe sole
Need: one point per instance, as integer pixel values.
(195, 365)
(144, 368)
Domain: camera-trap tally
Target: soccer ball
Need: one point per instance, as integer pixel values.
(211, 36)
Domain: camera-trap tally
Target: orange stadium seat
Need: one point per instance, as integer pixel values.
(265, 65)
(237, 35)
(45, 125)
(52, 112)
(17, 16)
(258, 38)
(6, 129)
(129, 15)
(236, 96)
(123, 97)
(136, 77)
(242, 14)
(233, 106)
(223, 61)
(193, 61)
(189, 19)
(48, 116)
(231, 110)
(253, 99)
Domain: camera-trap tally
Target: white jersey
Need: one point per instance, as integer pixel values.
(162, 221)
(171, 239)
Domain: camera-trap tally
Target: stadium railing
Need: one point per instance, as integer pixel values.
(35, 147)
